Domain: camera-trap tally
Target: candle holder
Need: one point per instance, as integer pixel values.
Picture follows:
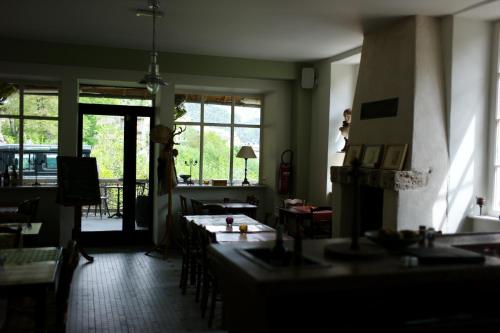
(480, 201)
(191, 164)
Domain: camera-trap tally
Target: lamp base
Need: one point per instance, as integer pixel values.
(245, 182)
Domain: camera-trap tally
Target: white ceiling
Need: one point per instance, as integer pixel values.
(289, 30)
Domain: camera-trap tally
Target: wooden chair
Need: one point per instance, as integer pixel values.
(253, 200)
(321, 222)
(29, 208)
(197, 207)
(71, 258)
(214, 210)
(189, 255)
(104, 202)
(184, 205)
(293, 202)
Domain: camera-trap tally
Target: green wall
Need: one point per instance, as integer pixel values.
(116, 58)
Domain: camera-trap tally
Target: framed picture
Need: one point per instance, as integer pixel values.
(372, 156)
(394, 157)
(353, 152)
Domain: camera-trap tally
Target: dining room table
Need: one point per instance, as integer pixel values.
(231, 206)
(30, 272)
(118, 187)
(299, 214)
(229, 233)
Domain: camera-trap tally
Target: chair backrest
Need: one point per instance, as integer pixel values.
(197, 207)
(293, 202)
(69, 264)
(10, 237)
(184, 205)
(322, 213)
(29, 208)
(253, 200)
(214, 209)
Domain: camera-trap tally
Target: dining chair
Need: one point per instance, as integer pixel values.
(214, 210)
(293, 202)
(197, 207)
(320, 222)
(189, 255)
(253, 200)
(184, 205)
(102, 203)
(28, 209)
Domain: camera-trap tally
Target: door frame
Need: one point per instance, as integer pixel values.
(128, 235)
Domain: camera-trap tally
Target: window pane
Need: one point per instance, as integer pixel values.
(193, 113)
(40, 150)
(9, 143)
(187, 162)
(216, 152)
(247, 115)
(9, 105)
(40, 131)
(497, 144)
(115, 101)
(246, 137)
(41, 101)
(496, 194)
(217, 109)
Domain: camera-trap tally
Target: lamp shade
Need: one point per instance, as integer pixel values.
(246, 152)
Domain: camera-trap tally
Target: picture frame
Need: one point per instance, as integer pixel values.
(353, 152)
(394, 157)
(372, 156)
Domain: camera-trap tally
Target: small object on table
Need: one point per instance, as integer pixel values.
(421, 235)
(480, 201)
(431, 236)
(185, 178)
(243, 228)
(229, 220)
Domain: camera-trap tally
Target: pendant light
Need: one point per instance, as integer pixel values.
(153, 78)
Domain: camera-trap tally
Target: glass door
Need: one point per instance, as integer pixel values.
(118, 137)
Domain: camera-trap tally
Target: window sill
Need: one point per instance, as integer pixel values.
(210, 187)
(484, 223)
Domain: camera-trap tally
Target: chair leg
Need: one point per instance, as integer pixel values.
(213, 302)
(193, 272)
(88, 208)
(198, 283)
(205, 293)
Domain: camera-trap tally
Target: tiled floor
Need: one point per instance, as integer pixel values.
(127, 291)
(96, 223)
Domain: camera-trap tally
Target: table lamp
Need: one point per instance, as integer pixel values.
(246, 152)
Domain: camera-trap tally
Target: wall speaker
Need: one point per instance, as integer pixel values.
(308, 78)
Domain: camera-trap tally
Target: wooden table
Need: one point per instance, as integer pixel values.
(118, 188)
(298, 213)
(232, 207)
(257, 232)
(31, 272)
(28, 229)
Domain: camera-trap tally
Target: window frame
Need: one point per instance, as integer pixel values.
(230, 125)
(21, 84)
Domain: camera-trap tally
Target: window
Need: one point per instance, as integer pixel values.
(216, 127)
(29, 131)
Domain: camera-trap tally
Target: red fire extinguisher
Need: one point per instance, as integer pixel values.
(285, 173)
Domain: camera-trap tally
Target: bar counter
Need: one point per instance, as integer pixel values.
(344, 294)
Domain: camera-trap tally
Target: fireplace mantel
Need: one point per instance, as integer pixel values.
(386, 179)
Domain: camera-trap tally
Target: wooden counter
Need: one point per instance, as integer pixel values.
(357, 293)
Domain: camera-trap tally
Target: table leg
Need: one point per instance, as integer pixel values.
(40, 312)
